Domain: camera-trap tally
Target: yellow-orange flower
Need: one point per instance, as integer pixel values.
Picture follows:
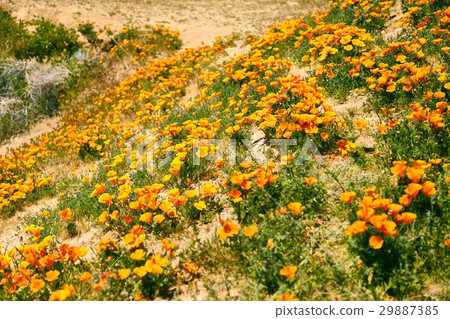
(447, 242)
(146, 218)
(190, 193)
(407, 218)
(250, 231)
(414, 174)
(140, 271)
(36, 285)
(405, 200)
(236, 194)
(190, 267)
(138, 254)
(123, 273)
(208, 189)
(428, 188)
(288, 271)
(85, 277)
(399, 168)
(382, 128)
(310, 180)
(345, 146)
(155, 264)
(360, 124)
(348, 197)
(200, 205)
(376, 242)
(296, 207)
(287, 297)
(229, 229)
(52, 275)
(59, 295)
(65, 214)
(106, 199)
(358, 227)
(413, 189)
(158, 218)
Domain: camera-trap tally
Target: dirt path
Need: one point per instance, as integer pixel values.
(11, 229)
(45, 126)
(199, 21)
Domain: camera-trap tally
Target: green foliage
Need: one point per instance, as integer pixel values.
(46, 41)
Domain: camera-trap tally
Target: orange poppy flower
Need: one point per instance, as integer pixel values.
(286, 297)
(236, 194)
(140, 271)
(59, 295)
(158, 218)
(85, 277)
(413, 189)
(106, 199)
(250, 231)
(358, 227)
(447, 242)
(200, 205)
(395, 208)
(348, 197)
(360, 124)
(98, 286)
(435, 161)
(124, 273)
(414, 174)
(377, 221)
(190, 193)
(399, 168)
(405, 200)
(36, 285)
(146, 218)
(296, 207)
(428, 188)
(345, 146)
(155, 264)
(382, 128)
(310, 180)
(288, 271)
(370, 191)
(52, 275)
(407, 218)
(65, 214)
(376, 242)
(229, 229)
(208, 189)
(190, 267)
(138, 254)
(388, 228)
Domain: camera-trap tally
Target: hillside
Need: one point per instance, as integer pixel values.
(306, 162)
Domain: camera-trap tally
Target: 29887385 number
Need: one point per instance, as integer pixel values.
(409, 310)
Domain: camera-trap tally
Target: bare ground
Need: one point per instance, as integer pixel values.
(199, 21)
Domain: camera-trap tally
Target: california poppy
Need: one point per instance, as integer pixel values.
(288, 271)
(376, 242)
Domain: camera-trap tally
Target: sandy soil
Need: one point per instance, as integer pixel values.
(392, 29)
(199, 21)
(11, 234)
(45, 126)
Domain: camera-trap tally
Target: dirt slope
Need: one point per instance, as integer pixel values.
(199, 21)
